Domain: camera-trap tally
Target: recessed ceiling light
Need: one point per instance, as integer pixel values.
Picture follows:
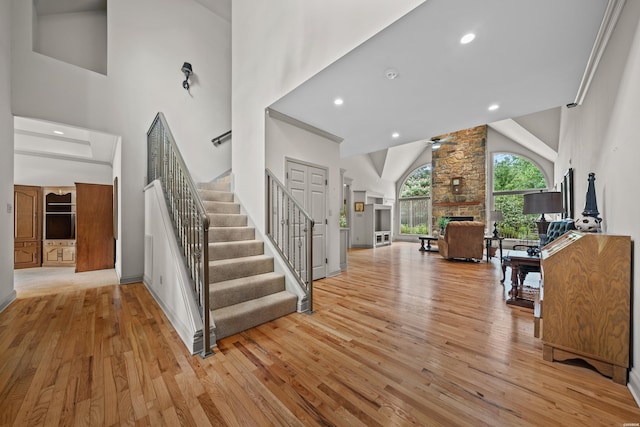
(338, 101)
(493, 107)
(395, 135)
(467, 38)
(58, 132)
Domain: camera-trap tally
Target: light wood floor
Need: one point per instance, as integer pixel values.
(401, 338)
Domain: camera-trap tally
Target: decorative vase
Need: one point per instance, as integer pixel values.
(589, 221)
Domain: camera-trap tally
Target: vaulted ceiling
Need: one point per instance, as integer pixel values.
(417, 80)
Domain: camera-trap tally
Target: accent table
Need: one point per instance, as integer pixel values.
(487, 243)
(427, 248)
(516, 260)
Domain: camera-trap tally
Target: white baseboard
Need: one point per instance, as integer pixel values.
(8, 300)
(186, 334)
(334, 273)
(634, 385)
(130, 280)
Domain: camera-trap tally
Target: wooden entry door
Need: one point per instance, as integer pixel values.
(95, 244)
(27, 226)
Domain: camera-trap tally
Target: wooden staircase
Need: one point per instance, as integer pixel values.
(244, 290)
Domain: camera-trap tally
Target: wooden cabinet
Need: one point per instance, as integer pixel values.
(27, 226)
(59, 229)
(587, 288)
(59, 253)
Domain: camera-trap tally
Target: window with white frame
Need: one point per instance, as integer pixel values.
(415, 202)
(513, 176)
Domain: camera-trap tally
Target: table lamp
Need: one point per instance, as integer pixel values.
(496, 216)
(542, 203)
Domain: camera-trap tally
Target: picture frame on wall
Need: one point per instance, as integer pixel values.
(358, 206)
(567, 194)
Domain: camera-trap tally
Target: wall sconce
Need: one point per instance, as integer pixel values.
(456, 185)
(187, 70)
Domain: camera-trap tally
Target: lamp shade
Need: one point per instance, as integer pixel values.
(496, 216)
(543, 202)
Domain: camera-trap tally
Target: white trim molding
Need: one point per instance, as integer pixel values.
(609, 20)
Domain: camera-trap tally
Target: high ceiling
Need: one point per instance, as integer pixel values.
(53, 140)
(527, 56)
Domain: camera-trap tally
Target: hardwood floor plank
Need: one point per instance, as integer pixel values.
(401, 338)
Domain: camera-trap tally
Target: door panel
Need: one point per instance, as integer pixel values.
(307, 184)
(27, 201)
(94, 216)
(27, 226)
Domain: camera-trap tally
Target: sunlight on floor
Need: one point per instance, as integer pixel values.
(30, 282)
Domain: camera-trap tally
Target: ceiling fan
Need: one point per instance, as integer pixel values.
(438, 142)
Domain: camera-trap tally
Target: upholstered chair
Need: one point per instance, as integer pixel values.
(462, 239)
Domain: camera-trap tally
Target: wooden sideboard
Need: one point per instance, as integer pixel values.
(587, 292)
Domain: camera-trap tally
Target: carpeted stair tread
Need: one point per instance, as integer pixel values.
(227, 220)
(231, 234)
(239, 317)
(221, 207)
(235, 249)
(227, 269)
(218, 185)
(216, 196)
(235, 291)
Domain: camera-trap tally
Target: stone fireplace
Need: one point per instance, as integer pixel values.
(458, 176)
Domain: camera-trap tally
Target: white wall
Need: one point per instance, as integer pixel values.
(148, 40)
(7, 294)
(165, 274)
(277, 45)
(41, 171)
(76, 38)
(285, 140)
(601, 136)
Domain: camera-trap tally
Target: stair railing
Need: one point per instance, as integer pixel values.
(188, 214)
(290, 229)
(221, 138)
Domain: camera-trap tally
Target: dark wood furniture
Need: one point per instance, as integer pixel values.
(95, 242)
(488, 242)
(587, 298)
(27, 226)
(427, 248)
(521, 263)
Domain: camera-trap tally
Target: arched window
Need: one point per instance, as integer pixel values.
(415, 202)
(514, 176)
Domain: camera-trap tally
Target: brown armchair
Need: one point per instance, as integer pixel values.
(462, 239)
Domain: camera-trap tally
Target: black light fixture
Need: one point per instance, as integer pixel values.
(187, 70)
(496, 216)
(542, 203)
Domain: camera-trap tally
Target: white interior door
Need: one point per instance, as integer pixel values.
(308, 185)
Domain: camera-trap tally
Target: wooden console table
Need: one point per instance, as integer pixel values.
(427, 248)
(520, 262)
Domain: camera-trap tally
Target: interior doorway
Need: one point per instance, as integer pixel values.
(49, 154)
(308, 185)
